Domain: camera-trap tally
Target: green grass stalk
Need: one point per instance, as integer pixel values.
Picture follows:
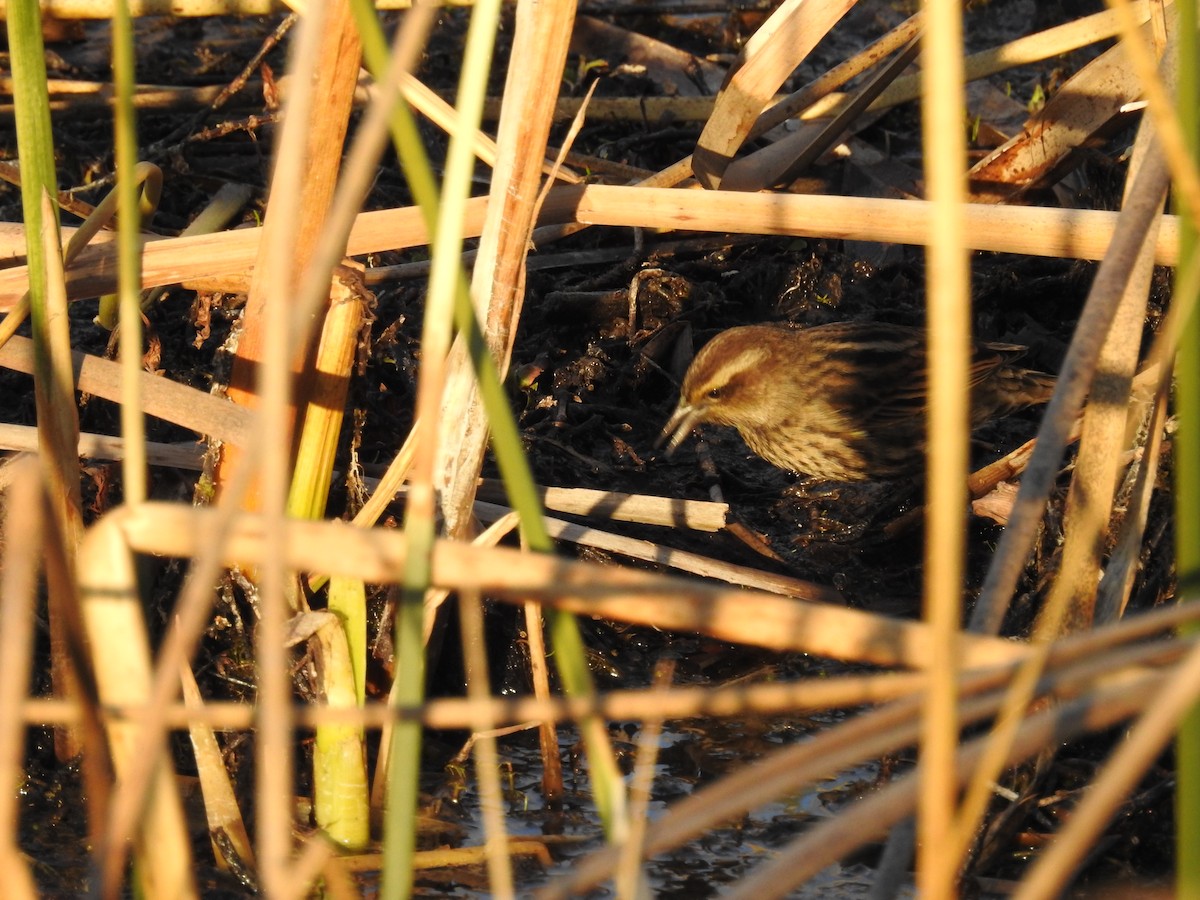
(569, 653)
(58, 422)
(129, 249)
(420, 526)
(1187, 468)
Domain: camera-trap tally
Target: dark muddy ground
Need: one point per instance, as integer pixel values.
(591, 417)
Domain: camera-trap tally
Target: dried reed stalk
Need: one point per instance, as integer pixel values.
(767, 699)
(949, 323)
(498, 285)
(22, 539)
(766, 60)
(677, 604)
(1078, 234)
(1102, 441)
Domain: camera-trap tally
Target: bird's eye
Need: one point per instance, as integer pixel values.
(715, 393)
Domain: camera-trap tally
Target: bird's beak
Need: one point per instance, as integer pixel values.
(679, 426)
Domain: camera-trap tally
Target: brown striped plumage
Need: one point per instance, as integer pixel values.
(842, 402)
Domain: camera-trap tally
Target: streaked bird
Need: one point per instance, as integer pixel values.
(840, 402)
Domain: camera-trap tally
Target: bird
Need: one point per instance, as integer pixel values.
(838, 402)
